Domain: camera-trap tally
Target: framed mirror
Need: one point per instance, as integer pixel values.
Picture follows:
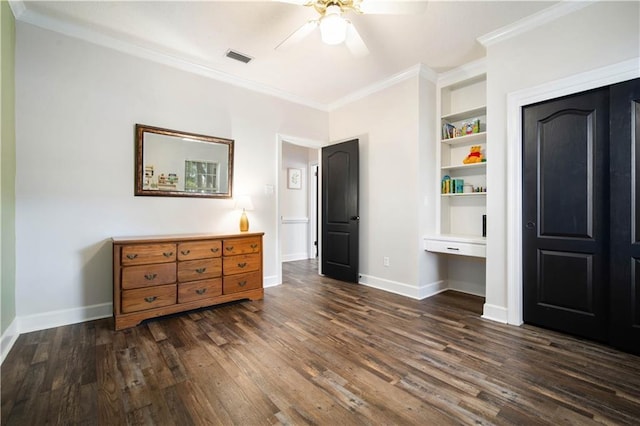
(171, 163)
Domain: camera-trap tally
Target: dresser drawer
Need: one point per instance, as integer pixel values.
(199, 250)
(151, 253)
(454, 247)
(242, 282)
(193, 270)
(239, 264)
(141, 299)
(197, 290)
(148, 275)
(241, 246)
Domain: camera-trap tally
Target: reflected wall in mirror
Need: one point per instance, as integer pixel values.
(179, 164)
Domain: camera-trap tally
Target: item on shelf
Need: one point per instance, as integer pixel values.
(448, 131)
(446, 182)
(468, 188)
(475, 155)
(453, 185)
(471, 127)
(458, 186)
(484, 225)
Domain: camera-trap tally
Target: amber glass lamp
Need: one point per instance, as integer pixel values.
(244, 202)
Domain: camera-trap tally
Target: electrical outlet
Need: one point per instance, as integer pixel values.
(385, 261)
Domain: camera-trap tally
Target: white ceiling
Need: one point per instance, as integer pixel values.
(200, 32)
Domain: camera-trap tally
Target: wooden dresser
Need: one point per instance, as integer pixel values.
(155, 276)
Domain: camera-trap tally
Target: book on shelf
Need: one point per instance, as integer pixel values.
(448, 131)
(452, 185)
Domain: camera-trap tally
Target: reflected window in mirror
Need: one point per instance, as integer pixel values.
(201, 176)
(181, 164)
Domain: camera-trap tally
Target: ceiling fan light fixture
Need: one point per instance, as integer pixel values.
(333, 27)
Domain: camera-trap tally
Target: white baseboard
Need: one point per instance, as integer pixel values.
(59, 318)
(8, 339)
(476, 289)
(495, 313)
(432, 289)
(403, 289)
(295, 256)
(270, 281)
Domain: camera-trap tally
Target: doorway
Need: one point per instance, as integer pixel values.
(297, 199)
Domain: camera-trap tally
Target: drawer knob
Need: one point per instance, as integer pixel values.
(242, 265)
(150, 277)
(185, 252)
(229, 248)
(215, 249)
(453, 248)
(167, 254)
(242, 283)
(150, 299)
(132, 256)
(201, 270)
(201, 290)
(254, 246)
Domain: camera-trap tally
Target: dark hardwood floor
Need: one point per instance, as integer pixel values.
(318, 351)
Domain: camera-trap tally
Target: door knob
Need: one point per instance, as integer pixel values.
(355, 217)
(530, 225)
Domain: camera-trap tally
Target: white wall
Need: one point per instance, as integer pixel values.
(432, 268)
(76, 107)
(392, 182)
(8, 327)
(598, 35)
(294, 204)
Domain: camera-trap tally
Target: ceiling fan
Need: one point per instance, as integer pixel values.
(336, 29)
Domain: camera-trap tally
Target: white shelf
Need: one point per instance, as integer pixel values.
(465, 166)
(464, 194)
(473, 137)
(469, 113)
(457, 238)
(459, 216)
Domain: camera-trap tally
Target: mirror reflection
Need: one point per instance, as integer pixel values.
(181, 164)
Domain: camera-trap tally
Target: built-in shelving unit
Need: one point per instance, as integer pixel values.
(461, 100)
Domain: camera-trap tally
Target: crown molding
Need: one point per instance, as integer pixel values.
(23, 14)
(17, 8)
(464, 72)
(420, 70)
(523, 25)
(88, 35)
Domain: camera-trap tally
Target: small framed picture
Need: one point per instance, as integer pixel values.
(294, 178)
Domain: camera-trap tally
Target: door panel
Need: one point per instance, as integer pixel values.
(340, 220)
(566, 167)
(566, 281)
(565, 212)
(625, 215)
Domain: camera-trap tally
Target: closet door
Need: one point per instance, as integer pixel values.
(625, 215)
(566, 214)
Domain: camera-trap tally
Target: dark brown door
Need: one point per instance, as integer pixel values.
(566, 214)
(625, 216)
(340, 220)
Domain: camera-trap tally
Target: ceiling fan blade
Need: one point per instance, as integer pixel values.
(297, 35)
(381, 7)
(354, 42)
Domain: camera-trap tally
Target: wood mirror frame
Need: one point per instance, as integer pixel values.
(171, 163)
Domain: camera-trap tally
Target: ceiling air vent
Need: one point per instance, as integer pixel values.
(238, 56)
